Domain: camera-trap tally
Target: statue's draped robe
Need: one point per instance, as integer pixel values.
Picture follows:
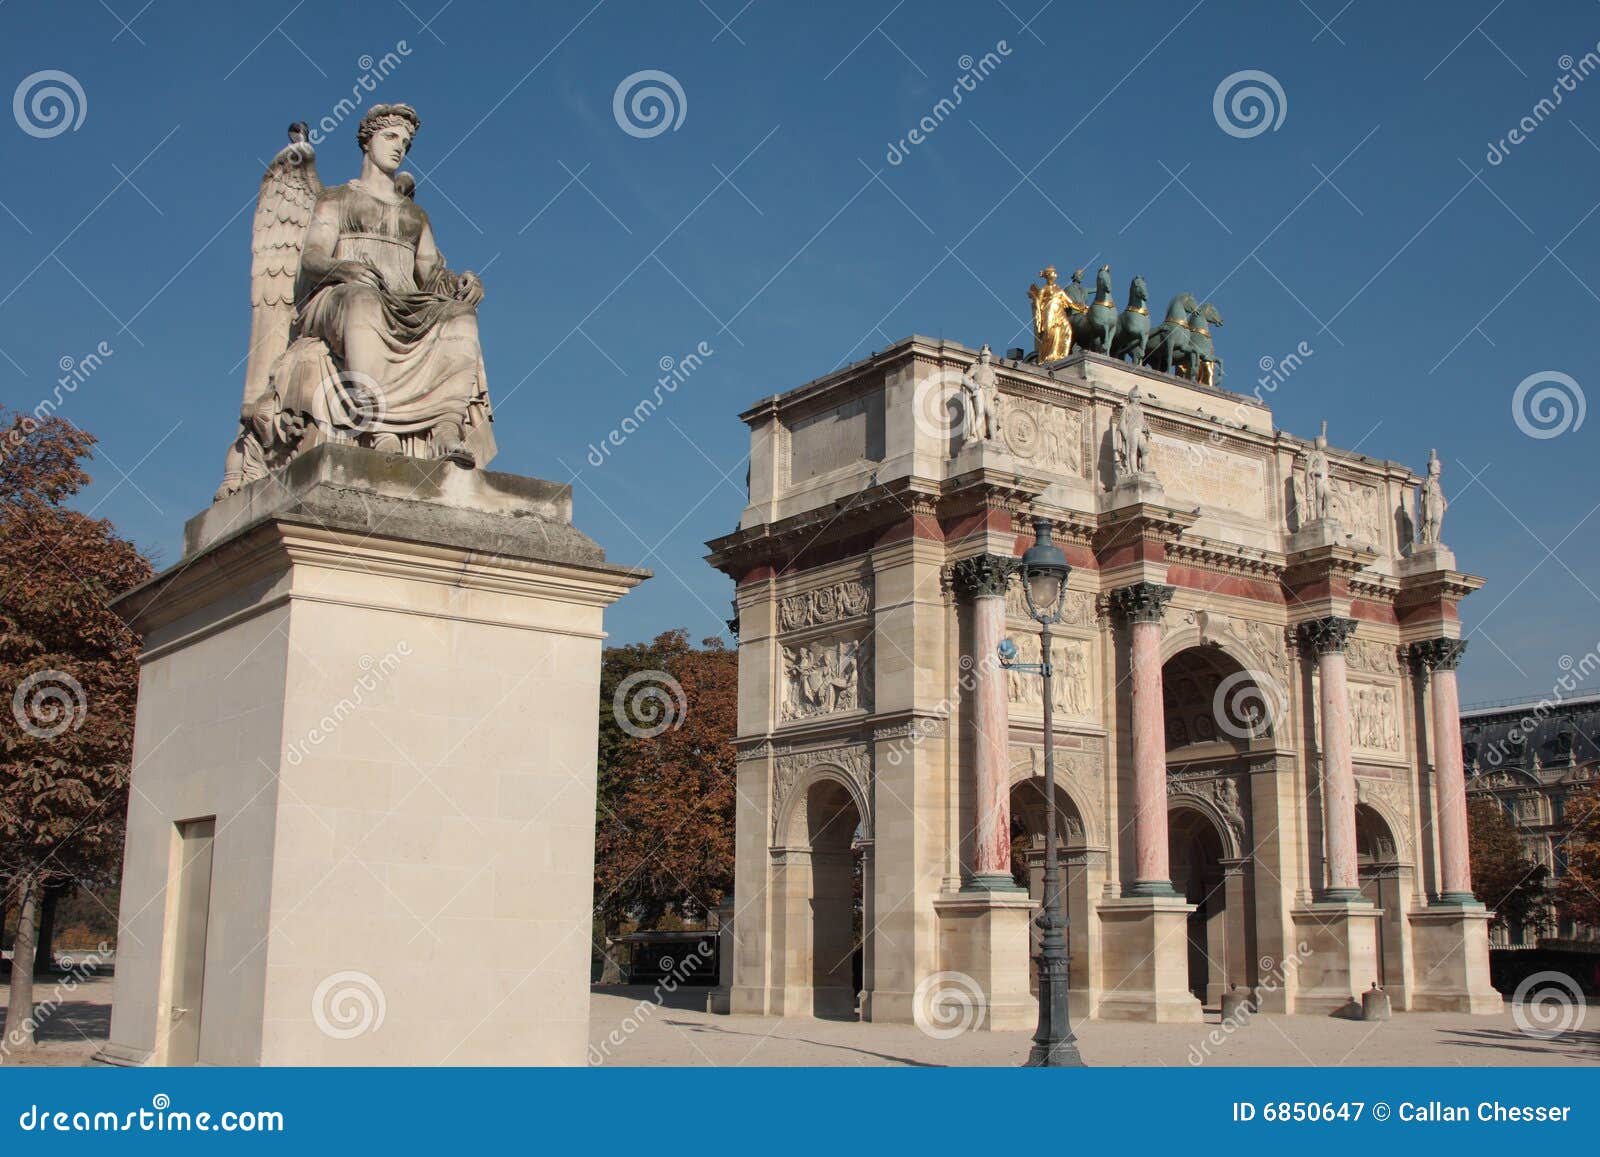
(433, 369)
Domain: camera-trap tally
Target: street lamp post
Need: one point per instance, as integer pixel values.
(1044, 571)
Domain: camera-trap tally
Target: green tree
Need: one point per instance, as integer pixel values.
(69, 667)
(1503, 877)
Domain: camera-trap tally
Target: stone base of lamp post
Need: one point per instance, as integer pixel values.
(1145, 954)
(1335, 958)
(984, 935)
(1455, 939)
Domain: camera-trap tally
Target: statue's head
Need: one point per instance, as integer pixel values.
(1433, 463)
(1049, 274)
(985, 353)
(386, 134)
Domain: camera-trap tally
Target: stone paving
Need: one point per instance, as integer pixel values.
(628, 1027)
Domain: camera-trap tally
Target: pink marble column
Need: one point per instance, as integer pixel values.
(983, 579)
(1441, 657)
(1327, 638)
(1144, 604)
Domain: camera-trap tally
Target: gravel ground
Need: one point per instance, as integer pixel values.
(630, 1028)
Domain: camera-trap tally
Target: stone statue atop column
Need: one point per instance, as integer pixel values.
(1431, 504)
(1429, 553)
(1133, 468)
(359, 332)
(980, 389)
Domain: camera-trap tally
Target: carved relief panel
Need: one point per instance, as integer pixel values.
(1047, 435)
(1374, 718)
(827, 676)
(1072, 679)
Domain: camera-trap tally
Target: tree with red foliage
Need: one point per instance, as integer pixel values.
(1503, 877)
(664, 831)
(1577, 892)
(69, 667)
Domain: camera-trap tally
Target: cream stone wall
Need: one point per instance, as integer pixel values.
(397, 741)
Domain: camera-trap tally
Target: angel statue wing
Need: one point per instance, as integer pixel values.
(289, 191)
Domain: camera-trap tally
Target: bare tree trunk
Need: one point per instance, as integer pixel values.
(44, 957)
(19, 1005)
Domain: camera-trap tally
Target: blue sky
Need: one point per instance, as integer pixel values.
(770, 224)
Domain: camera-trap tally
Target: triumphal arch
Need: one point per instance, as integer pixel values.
(1259, 779)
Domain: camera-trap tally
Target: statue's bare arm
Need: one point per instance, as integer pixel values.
(317, 259)
(430, 263)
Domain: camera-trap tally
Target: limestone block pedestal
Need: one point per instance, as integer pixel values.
(1145, 954)
(1340, 957)
(984, 935)
(370, 688)
(1454, 941)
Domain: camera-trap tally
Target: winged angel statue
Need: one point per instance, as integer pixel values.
(358, 332)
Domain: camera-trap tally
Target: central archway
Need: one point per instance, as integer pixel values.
(1218, 715)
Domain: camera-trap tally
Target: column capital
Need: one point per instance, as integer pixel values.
(1327, 635)
(983, 575)
(1439, 654)
(1142, 602)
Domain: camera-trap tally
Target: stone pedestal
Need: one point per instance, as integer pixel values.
(1145, 954)
(1336, 958)
(985, 937)
(1454, 940)
(719, 999)
(374, 678)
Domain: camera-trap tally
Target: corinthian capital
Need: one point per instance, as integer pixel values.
(983, 575)
(1142, 602)
(1439, 654)
(1325, 636)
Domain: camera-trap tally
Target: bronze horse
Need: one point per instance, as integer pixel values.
(1133, 327)
(1094, 328)
(1173, 340)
